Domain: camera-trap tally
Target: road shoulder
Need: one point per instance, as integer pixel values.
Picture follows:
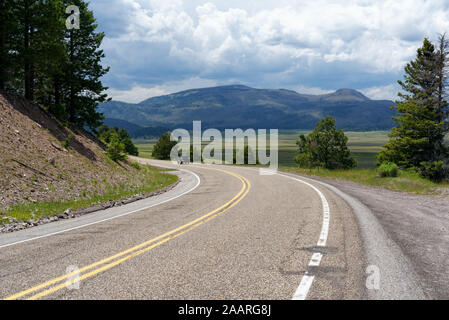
(398, 279)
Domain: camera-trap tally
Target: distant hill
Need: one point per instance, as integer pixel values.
(240, 106)
(131, 128)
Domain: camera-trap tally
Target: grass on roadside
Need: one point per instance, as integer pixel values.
(407, 181)
(154, 178)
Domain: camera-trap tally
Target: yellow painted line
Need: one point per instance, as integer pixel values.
(166, 237)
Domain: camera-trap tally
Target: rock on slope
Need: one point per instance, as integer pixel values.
(34, 165)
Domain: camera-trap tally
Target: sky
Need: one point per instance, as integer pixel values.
(157, 47)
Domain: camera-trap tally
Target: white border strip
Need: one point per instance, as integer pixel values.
(111, 218)
(307, 280)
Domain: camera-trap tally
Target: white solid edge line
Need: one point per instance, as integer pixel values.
(111, 218)
(307, 280)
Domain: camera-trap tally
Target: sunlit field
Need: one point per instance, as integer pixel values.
(363, 145)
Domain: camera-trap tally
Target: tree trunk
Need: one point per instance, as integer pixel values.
(442, 78)
(72, 88)
(27, 57)
(57, 92)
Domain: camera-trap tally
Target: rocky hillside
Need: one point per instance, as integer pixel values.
(244, 107)
(43, 161)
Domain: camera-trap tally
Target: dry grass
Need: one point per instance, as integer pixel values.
(37, 171)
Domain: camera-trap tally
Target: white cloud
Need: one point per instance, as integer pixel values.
(138, 93)
(388, 92)
(255, 41)
(311, 90)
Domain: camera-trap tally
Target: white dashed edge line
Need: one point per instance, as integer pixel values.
(307, 279)
(111, 218)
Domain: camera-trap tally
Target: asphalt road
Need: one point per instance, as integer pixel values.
(222, 233)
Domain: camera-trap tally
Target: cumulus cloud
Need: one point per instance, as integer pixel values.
(324, 44)
(388, 92)
(138, 93)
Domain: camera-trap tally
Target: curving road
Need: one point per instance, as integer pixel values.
(222, 233)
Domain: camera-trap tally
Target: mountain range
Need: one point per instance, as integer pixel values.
(239, 106)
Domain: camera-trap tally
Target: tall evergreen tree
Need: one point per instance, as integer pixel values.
(29, 19)
(42, 59)
(52, 56)
(418, 139)
(84, 89)
(441, 150)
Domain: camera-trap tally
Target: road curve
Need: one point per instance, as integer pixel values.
(237, 235)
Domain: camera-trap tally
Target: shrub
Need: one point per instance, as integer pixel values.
(163, 147)
(67, 141)
(436, 171)
(105, 134)
(135, 165)
(116, 149)
(388, 169)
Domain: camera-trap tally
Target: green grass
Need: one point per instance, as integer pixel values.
(363, 145)
(407, 181)
(145, 147)
(364, 148)
(155, 179)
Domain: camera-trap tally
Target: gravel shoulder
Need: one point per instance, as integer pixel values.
(418, 224)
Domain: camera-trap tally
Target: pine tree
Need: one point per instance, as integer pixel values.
(441, 151)
(34, 45)
(52, 57)
(28, 16)
(418, 139)
(59, 69)
(84, 90)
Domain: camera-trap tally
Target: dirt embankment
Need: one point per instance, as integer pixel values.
(36, 167)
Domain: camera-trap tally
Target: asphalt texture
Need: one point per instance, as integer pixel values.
(235, 235)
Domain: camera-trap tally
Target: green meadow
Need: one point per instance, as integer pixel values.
(363, 145)
(145, 147)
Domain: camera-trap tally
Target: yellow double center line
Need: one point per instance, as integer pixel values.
(121, 257)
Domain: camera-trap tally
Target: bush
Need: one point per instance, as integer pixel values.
(435, 171)
(135, 165)
(67, 141)
(163, 147)
(326, 147)
(116, 149)
(388, 169)
(105, 134)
